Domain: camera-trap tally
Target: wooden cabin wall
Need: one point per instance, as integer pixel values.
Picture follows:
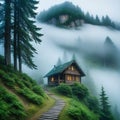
(69, 76)
(53, 80)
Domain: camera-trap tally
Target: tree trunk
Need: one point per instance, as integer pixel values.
(7, 43)
(19, 55)
(19, 38)
(15, 35)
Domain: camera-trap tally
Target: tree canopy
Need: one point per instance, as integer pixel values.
(75, 13)
(18, 31)
(105, 106)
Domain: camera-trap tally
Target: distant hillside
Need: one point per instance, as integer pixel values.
(69, 15)
(19, 94)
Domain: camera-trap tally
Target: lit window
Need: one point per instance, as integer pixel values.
(52, 79)
(72, 68)
(69, 77)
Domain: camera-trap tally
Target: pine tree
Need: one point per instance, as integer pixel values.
(110, 53)
(18, 31)
(1, 22)
(1, 12)
(25, 31)
(65, 57)
(15, 33)
(97, 20)
(105, 107)
(59, 62)
(30, 32)
(7, 34)
(73, 57)
(116, 113)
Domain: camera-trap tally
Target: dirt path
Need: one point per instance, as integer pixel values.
(53, 113)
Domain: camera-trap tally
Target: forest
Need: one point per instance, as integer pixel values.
(74, 13)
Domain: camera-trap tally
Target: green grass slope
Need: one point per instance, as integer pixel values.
(80, 105)
(20, 96)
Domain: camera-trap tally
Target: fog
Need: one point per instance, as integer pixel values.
(111, 82)
(63, 43)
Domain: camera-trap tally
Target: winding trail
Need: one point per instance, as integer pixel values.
(53, 113)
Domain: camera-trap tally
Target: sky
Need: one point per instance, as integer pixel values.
(99, 7)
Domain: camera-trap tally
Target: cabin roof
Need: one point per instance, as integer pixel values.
(61, 68)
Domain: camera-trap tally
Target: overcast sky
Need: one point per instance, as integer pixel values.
(99, 7)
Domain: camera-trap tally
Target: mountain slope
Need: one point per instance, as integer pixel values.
(18, 92)
(69, 15)
(79, 104)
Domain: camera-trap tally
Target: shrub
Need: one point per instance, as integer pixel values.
(20, 83)
(27, 84)
(4, 113)
(17, 110)
(10, 107)
(10, 82)
(79, 90)
(78, 111)
(92, 104)
(38, 90)
(64, 89)
(25, 77)
(31, 96)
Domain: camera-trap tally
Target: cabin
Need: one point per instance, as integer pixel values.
(68, 73)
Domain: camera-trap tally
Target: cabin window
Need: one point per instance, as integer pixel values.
(52, 79)
(71, 68)
(69, 77)
(72, 78)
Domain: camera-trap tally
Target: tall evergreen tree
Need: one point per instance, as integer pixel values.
(1, 21)
(18, 30)
(25, 31)
(105, 107)
(97, 20)
(15, 33)
(110, 53)
(116, 113)
(59, 62)
(7, 41)
(30, 32)
(73, 57)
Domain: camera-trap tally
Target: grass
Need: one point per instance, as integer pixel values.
(23, 85)
(39, 110)
(33, 111)
(24, 93)
(75, 109)
(63, 115)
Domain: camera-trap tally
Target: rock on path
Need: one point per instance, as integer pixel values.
(54, 112)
